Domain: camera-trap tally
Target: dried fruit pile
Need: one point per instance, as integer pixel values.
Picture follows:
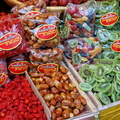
(18, 102)
(59, 93)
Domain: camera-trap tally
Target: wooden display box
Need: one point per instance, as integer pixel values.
(97, 103)
(91, 112)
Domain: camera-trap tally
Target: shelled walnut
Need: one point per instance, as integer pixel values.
(61, 95)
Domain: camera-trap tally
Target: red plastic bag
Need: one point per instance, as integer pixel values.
(29, 6)
(12, 41)
(17, 65)
(3, 72)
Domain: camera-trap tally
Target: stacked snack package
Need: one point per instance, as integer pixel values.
(93, 49)
(82, 50)
(79, 20)
(41, 30)
(29, 8)
(107, 27)
(12, 41)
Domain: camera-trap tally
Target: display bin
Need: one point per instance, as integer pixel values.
(97, 103)
(91, 111)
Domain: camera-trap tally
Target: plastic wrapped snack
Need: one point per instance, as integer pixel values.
(17, 65)
(12, 41)
(3, 72)
(82, 50)
(41, 30)
(107, 15)
(30, 7)
(79, 20)
(38, 57)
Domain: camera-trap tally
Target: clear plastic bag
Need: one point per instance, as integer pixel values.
(29, 6)
(38, 57)
(12, 41)
(82, 50)
(3, 72)
(79, 20)
(41, 30)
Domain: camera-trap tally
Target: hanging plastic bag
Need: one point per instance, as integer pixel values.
(41, 30)
(12, 41)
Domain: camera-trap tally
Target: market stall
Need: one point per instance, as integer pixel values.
(59, 60)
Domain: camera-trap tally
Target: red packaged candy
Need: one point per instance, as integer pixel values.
(12, 41)
(3, 72)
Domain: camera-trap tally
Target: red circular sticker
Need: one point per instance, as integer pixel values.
(47, 32)
(18, 67)
(50, 67)
(10, 41)
(3, 78)
(116, 46)
(32, 13)
(109, 19)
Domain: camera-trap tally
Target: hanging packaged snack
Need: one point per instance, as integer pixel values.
(17, 65)
(38, 57)
(41, 30)
(82, 50)
(12, 41)
(28, 8)
(79, 20)
(107, 15)
(3, 72)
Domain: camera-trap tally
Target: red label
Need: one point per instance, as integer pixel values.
(109, 19)
(47, 32)
(3, 78)
(116, 46)
(32, 13)
(18, 67)
(10, 41)
(50, 67)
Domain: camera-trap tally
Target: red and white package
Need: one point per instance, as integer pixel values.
(12, 41)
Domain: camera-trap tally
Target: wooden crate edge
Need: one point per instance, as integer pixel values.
(79, 79)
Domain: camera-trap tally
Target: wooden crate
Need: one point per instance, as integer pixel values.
(91, 110)
(90, 94)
